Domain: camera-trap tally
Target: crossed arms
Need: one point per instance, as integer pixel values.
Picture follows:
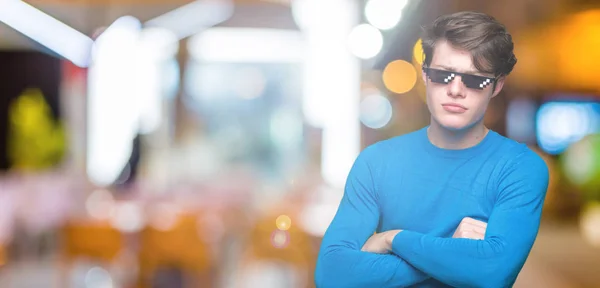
(414, 257)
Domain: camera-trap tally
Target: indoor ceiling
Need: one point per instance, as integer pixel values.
(84, 18)
(88, 16)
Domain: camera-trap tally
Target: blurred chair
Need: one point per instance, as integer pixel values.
(96, 241)
(3, 255)
(293, 248)
(179, 249)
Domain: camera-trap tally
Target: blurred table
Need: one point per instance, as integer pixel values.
(561, 258)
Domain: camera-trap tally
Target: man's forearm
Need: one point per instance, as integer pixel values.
(343, 267)
(461, 262)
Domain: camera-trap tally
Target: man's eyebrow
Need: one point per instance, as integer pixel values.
(474, 72)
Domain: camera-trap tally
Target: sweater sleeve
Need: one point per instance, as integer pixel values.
(341, 263)
(511, 231)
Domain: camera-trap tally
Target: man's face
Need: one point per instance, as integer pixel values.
(453, 105)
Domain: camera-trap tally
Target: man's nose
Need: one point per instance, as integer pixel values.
(456, 88)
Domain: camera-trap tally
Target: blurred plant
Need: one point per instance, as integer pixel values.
(36, 141)
(581, 164)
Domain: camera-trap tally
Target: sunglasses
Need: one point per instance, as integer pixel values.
(470, 80)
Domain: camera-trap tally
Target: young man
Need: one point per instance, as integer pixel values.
(454, 203)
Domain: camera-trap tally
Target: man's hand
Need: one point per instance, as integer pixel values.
(380, 243)
(471, 229)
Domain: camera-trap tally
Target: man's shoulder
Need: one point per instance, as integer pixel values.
(392, 148)
(396, 143)
(520, 158)
(517, 151)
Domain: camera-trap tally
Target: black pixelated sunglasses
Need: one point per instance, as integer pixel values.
(470, 80)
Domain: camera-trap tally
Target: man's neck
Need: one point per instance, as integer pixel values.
(456, 139)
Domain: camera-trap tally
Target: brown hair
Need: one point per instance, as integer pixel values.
(488, 41)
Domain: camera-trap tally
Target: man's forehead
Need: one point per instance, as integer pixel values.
(451, 64)
(469, 70)
(447, 57)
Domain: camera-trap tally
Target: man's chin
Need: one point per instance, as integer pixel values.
(454, 124)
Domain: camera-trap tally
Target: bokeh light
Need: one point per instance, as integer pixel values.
(128, 217)
(560, 124)
(98, 278)
(581, 163)
(375, 111)
(418, 55)
(590, 223)
(100, 204)
(577, 65)
(164, 216)
(280, 239)
(365, 41)
(384, 14)
(399, 76)
(283, 222)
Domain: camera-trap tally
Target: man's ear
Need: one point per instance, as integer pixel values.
(424, 75)
(499, 85)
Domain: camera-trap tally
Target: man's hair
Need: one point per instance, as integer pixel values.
(487, 40)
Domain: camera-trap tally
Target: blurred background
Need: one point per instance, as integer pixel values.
(155, 143)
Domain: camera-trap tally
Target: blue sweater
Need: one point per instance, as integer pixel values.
(408, 183)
